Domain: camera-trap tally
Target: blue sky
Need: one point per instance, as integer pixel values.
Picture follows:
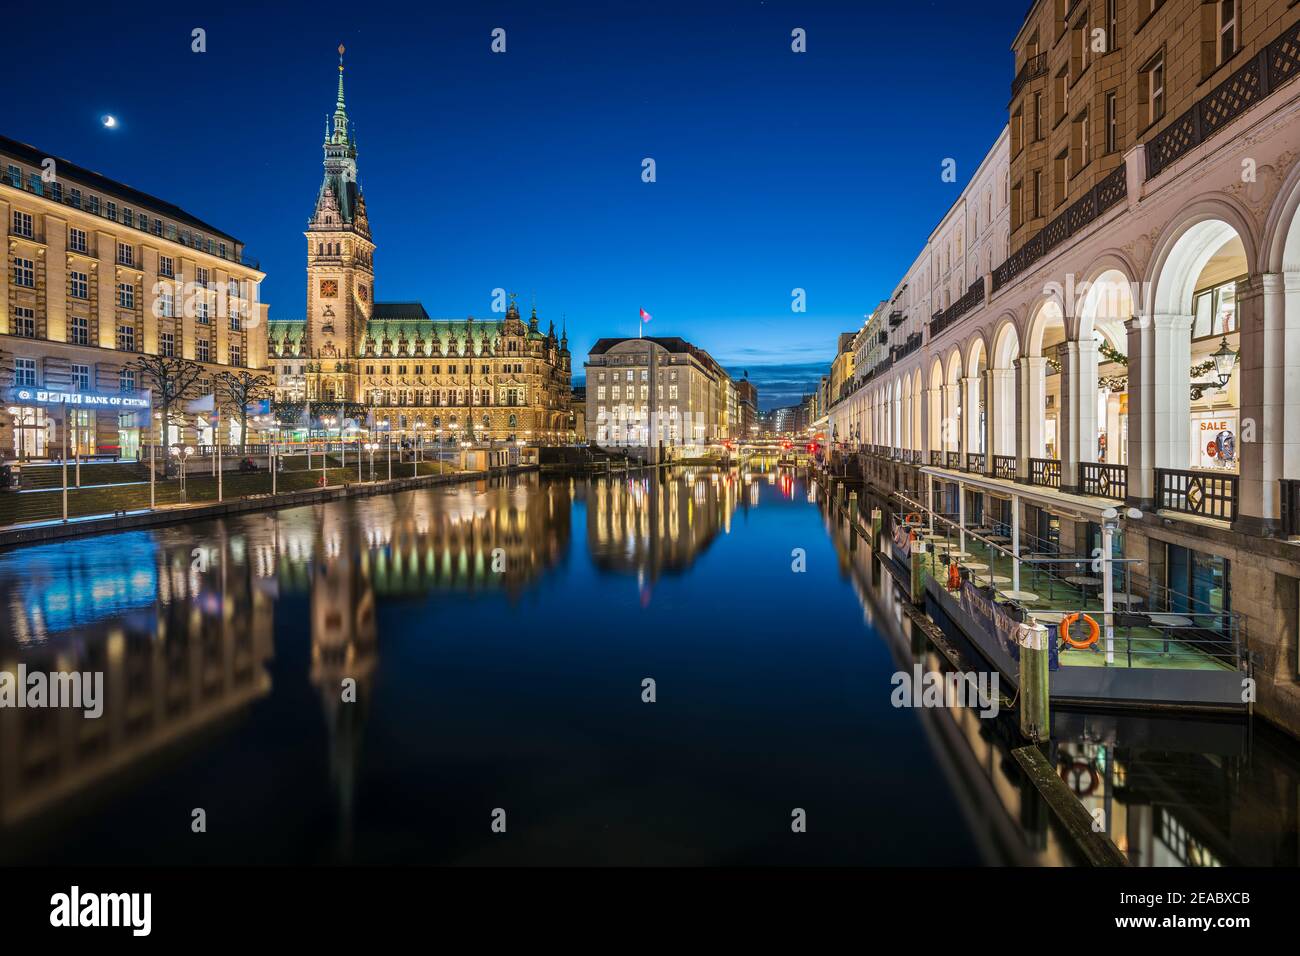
(522, 170)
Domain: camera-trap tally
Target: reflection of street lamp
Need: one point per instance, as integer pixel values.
(1224, 359)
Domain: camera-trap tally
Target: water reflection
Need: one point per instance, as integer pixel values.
(353, 681)
(1180, 790)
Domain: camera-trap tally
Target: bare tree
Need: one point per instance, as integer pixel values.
(174, 380)
(237, 390)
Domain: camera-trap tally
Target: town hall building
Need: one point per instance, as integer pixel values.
(440, 379)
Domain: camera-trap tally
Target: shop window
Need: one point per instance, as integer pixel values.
(1215, 311)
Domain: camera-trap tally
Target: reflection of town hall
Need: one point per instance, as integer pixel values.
(497, 378)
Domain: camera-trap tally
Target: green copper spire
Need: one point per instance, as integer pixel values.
(340, 108)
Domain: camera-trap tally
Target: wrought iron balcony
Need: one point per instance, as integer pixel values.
(1045, 472)
(1004, 466)
(1103, 479)
(1032, 68)
(1207, 494)
(1275, 65)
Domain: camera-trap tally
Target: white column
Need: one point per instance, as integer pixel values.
(1141, 440)
(1031, 388)
(1171, 407)
(970, 416)
(1078, 414)
(1261, 317)
(1015, 543)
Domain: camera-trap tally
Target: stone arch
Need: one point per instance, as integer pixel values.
(1281, 250)
(1103, 303)
(1211, 240)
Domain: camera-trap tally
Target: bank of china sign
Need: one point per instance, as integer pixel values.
(128, 402)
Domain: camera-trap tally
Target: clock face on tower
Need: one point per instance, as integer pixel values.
(329, 288)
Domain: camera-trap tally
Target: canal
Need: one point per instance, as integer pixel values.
(397, 679)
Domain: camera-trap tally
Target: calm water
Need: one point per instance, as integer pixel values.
(498, 635)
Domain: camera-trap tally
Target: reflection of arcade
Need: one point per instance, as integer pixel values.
(177, 665)
(1172, 791)
(1183, 792)
(657, 524)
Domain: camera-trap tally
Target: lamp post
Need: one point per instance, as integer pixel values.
(1224, 359)
(182, 455)
(415, 452)
(326, 424)
(370, 447)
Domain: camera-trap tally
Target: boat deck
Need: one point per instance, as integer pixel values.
(1153, 640)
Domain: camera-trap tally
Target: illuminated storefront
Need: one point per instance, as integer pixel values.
(46, 421)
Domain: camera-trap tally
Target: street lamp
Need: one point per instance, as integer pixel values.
(370, 447)
(1224, 359)
(182, 455)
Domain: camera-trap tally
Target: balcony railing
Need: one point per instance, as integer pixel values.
(1004, 466)
(1112, 190)
(1045, 472)
(975, 462)
(1103, 479)
(895, 319)
(936, 459)
(1206, 494)
(1276, 64)
(974, 296)
(1033, 68)
(953, 460)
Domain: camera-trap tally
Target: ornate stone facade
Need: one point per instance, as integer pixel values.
(499, 378)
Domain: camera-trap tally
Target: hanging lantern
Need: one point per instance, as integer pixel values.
(1224, 359)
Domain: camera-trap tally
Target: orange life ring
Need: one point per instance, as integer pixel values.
(1094, 631)
(954, 577)
(912, 518)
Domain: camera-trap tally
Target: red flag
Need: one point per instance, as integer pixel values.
(645, 316)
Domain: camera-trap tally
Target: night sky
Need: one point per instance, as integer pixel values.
(522, 170)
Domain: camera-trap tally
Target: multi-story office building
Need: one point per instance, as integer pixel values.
(420, 376)
(747, 401)
(1132, 345)
(99, 274)
(689, 405)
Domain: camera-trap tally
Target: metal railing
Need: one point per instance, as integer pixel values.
(1155, 627)
(1045, 472)
(953, 460)
(1273, 66)
(1033, 68)
(1207, 494)
(1004, 466)
(975, 462)
(1103, 479)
